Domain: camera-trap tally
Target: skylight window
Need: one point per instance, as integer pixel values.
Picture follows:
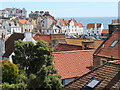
(92, 83)
(114, 43)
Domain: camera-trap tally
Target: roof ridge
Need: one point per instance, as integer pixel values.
(74, 51)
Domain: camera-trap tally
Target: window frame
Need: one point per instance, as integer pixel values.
(114, 44)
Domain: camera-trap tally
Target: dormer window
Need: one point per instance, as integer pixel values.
(114, 43)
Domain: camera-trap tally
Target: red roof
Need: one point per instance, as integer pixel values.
(105, 31)
(62, 22)
(67, 47)
(53, 20)
(25, 22)
(73, 63)
(92, 25)
(46, 14)
(67, 22)
(109, 73)
(108, 51)
(80, 24)
(8, 9)
(46, 38)
(75, 23)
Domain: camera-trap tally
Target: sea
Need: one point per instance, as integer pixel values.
(84, 20)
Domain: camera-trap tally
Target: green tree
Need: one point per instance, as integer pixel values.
(9, 72)
(37, 61)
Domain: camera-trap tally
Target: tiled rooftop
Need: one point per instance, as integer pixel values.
(109, 74)
(67, 47)
(73, 63)
(108, 51)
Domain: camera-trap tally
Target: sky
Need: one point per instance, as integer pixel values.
(73, 8)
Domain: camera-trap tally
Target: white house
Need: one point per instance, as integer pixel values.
(70, 27)
(94, 29)
(12, 26)
(12, 12)
(25, 26)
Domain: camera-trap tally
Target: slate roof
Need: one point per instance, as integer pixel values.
(9, 44)
(108, 51)
(109, 74)
(73, 63)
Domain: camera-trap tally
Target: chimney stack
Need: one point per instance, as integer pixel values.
(3, 36)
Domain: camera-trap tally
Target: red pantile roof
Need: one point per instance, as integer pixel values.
(92, 25)
(107, 51)
(80, 24)
(46, 38)
(105, 31)
(24, 22)
(75, 23)
(53, 20)
(67, 22)
(109, 74)
(67, 47)
(62, 22)
(7, 9)
(73, 63)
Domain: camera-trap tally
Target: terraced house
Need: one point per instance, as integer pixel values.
(70, 27)
(94, 29)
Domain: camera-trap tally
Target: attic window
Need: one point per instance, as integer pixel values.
(93, 83)
(114, 43)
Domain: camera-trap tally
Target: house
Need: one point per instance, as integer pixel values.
(70, 27)
(108, 50)
(105, 32)
(73, 64)
(9, 44)
(104, 77)
(25, 25)
(12, 26)
(36, 14)
(3, 29)
(45, 23)
(2, 45)
(13, 12)
(94, 29)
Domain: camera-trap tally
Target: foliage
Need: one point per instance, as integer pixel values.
(9, 71)
(37, 61)
(13, 86)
